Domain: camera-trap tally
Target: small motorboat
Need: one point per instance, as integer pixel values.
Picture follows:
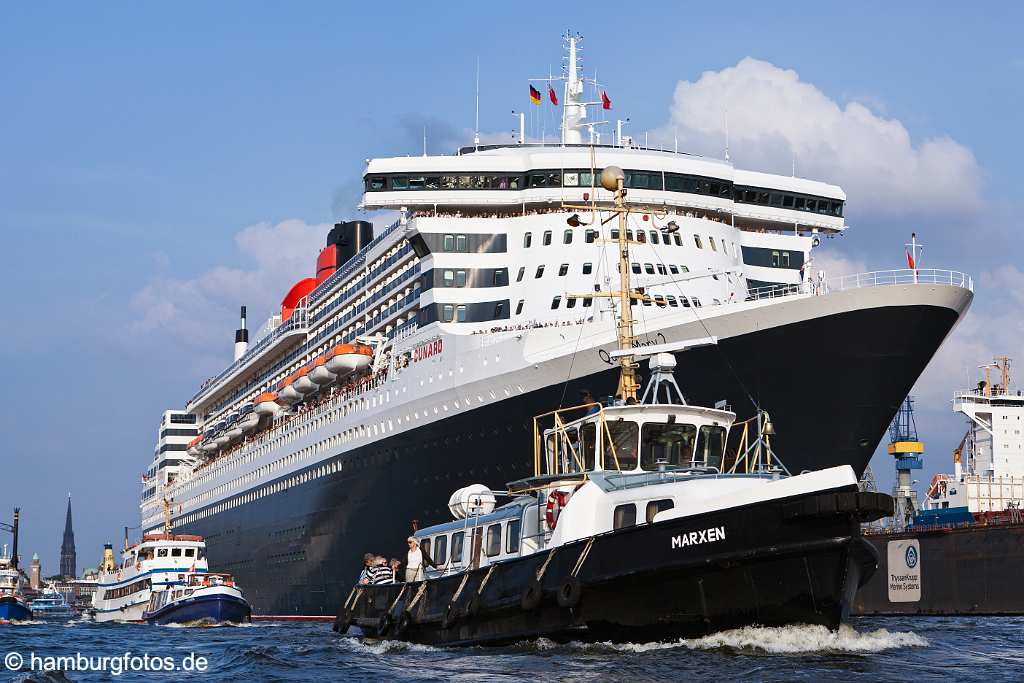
(204, 597)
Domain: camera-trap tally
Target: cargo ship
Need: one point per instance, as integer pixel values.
(412, 359)
(963, 551)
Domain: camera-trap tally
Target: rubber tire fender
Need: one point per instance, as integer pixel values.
(402, 625)
(384, 624)
(451, 615)
(343, 622)
(569, 592)
(531, 597)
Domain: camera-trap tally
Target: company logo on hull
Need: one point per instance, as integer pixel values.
(715, 533)
(428, 350)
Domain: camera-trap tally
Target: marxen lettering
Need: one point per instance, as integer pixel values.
(715, 533)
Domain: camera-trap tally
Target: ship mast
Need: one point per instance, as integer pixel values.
(612, 179)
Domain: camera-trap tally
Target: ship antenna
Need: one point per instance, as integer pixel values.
(476, 129)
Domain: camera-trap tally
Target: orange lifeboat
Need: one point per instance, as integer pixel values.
(266, 404)
(302, 381)
(345, 359)
(193, 446)
(319, 372)
(287, 393)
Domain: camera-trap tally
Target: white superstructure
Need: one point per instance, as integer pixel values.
(989, 464)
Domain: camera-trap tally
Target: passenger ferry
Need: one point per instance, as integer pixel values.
(13, 605)
(411, 360)
(637, 525)
(158, 562)
(52, 605)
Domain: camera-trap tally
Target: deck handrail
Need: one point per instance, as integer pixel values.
(877, 278)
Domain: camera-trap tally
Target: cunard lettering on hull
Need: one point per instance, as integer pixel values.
(716, 533)
(432, 348)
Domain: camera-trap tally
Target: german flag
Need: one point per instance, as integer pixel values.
(534, 95)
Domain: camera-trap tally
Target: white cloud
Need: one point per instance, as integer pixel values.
(773, 115)
(200, 312)
(835, 264)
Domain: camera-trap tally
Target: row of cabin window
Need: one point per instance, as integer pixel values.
(491, 543)
(661, 300)
(457, 312)
(794, 202)
(588, 268)
(625, 515)
(638, 180)
(130, 589)
(457, 278)
(590, 235)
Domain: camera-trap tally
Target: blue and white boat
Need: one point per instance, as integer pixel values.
(205, 597)
(13, 606)
(52, 605)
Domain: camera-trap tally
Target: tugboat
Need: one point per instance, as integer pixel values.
(205, 597)
(639, 523)
(13, 606)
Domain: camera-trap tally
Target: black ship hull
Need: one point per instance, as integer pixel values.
(972, 570)
(298, 552)
(795, 560)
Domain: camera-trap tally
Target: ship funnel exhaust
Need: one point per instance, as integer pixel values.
(14, 530)
(241, 338)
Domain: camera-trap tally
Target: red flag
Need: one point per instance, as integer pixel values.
(534, 95)
(605, 102)
(910, 262)
(552, 96)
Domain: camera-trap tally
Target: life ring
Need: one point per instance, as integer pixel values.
(556, 501)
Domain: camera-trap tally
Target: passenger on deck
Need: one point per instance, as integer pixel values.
(380, 572)
(417, 558)
(396, 565)
(364, 576)
(585, 398)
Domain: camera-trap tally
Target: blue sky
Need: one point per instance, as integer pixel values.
(163, 164)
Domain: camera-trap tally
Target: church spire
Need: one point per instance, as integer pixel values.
(67, 548)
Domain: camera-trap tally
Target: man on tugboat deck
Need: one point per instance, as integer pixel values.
(417, 558)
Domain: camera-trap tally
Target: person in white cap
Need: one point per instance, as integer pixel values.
(417, 558)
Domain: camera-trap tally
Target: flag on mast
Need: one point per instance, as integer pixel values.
(605, 102)
(534, 95)
(910, 261)
(552, 96)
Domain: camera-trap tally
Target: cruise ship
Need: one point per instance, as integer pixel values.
(412, 359)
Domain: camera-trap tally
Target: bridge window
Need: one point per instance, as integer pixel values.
(567, 237)
(711, 241)
(620, 444)
(522, 271)
(527, 240)
(448, 243)
(540, 271)
(547, 238)
(635, 267)
(570, 302)
(677, 239)
(460, 278)
(519, 306)
(668, 445)
(587, 302)
(447, 313)
(696, 240)
(461, 244)
(458, 540)
(671, 301)
(460, 313)
(673, 269)
(556, 302)
(649, 268)
(563, 269)
(590, 235)
(661, 269)
(499, 310)
(588, 268)
(641, 237)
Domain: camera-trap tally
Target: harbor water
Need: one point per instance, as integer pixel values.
(870, 649)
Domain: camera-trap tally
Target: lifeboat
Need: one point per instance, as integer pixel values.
(319, 373)
(266, 404)
(248, 418)
(345, 359)
(194, 446)
(288, 394)
(209, 444)
(303, 383)
(234, 429)
(221, 439)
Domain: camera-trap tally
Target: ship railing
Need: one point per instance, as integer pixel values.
(298, 322)
(353, 264)
(878, 278)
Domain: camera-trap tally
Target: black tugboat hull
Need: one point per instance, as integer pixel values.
(787, 561)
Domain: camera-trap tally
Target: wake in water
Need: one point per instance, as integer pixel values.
(383, 647)
(208, 623)
(762, 640)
